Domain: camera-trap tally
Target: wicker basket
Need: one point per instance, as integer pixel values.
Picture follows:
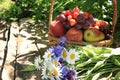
(53, 40)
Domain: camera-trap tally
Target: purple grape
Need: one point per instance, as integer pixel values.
(91, 21)
(86, 24)
(78, 26)
(107, 36)
(61, 18)
(66, 25)
(80, 18)
(106, 32)
(83, 25)
(102, 29)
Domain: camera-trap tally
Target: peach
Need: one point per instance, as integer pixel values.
(74, 34)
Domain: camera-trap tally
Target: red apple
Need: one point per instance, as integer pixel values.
(74, 34)
(57, 29)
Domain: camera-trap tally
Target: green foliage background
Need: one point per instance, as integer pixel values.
(39, 9)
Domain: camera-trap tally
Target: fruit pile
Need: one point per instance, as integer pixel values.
(77, 25)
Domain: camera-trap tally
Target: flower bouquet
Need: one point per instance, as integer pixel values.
(57, 63)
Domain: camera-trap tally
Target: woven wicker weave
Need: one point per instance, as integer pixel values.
(53, 40)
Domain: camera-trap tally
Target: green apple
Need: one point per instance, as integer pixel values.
(93, 35)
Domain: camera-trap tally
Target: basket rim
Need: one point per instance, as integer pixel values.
(107, 42)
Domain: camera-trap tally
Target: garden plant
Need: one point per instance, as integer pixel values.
(64, 61)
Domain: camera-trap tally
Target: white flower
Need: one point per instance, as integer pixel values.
(49, 65)
(72, 56)
(47, 69)
(55, 62)
(38, 63)
(55, 74)
(64, 54)
(47, 55)
(45, 73)
(51, 72)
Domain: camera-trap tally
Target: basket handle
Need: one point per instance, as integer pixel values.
(114, 20)
(51, 12)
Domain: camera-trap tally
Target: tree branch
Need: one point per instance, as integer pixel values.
(5, 52)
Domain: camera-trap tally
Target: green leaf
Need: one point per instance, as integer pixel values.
(117, 76)
(88, 52)
(117, 62)
(116, 59)
(84, 63)
(96, 76)
(29, 68)
(96, 67)
(99, 65)
(89, 77)
(101, 50)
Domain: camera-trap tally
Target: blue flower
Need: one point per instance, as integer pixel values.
(71, 75)
(62, 41)
(68, 73)
(61, 60)
(57, 50)
(64, 71)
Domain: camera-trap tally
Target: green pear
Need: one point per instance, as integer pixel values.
(93, 35)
